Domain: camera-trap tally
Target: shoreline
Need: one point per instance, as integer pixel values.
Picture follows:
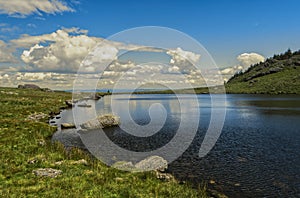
(27, 149)
(166, 173)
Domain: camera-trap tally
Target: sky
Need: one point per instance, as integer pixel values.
(45, 41)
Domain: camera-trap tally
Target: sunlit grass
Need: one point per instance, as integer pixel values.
(26, 145)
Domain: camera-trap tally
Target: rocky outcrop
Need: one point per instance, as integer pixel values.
(101, 122)
(29, 86)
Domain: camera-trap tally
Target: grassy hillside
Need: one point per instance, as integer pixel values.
(25, 146)
(277, 75)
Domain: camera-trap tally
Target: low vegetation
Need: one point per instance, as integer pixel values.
(26, 149)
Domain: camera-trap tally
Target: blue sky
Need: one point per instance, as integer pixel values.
(225, 28)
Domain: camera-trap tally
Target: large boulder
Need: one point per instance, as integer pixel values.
(152, 163)
(103, 121)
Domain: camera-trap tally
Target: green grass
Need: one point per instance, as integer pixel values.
(283, 82)
(22, 141)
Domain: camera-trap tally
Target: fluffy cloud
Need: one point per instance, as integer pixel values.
(59, 51)
(180, 56)
(51, 60)
(67, 49)
(22, 8)
(43, 79)
(245, 60)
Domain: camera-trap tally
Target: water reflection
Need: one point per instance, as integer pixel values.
(257, 154)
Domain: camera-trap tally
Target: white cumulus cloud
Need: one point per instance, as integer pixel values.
(245, 61)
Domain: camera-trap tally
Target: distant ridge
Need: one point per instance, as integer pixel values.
(277, 75)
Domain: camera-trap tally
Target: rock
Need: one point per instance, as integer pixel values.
(70, 103)
(46, 90)
(41, 142)
(103, 121)
(212, 181)
(37, 116)
(164, 176)
(152, 163)
(82, 162)
(29, 86)
(84, 105)
(67, 126)
(95, 96)
(59, 162)
(216, 194)
(69, 138)
(37, 158)
(123, 165)
(275, 70)
(47, 172)
(72, 162)
(119, 179)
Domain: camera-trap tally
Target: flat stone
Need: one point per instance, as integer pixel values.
(123, 165)
(67, 125)
(47, 172)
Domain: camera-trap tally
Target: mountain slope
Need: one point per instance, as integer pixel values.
(277, 75)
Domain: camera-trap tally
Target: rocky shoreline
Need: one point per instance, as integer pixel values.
(69, 136)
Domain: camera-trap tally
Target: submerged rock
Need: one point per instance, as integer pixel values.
(84, 105)
(69, 138)
(102, 121)
(47, 172)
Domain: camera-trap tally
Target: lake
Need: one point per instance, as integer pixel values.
(256, 155)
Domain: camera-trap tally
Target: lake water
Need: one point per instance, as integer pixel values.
(256, 155)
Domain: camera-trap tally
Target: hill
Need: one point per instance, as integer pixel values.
(279, 74)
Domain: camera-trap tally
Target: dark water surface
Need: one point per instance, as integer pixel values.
(257, 154)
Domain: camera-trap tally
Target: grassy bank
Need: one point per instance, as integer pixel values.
(26, 145)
